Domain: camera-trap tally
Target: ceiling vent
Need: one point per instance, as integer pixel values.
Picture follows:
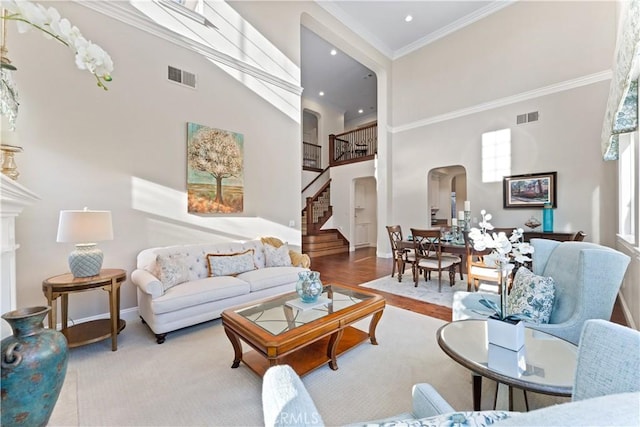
(183, 77)
(526, 118)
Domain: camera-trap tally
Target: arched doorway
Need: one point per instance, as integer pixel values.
(447, 189)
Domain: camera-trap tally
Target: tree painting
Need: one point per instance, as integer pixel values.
(215, 170)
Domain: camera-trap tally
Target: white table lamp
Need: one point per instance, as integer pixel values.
(85, 228)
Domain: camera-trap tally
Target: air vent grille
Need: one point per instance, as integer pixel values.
(180, 76)
(527, 118)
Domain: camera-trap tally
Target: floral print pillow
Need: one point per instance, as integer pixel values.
(532, 295)
(277, 257)
(452, 419)
(172, 270)
(230, 264)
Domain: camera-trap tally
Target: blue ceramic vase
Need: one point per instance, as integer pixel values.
(34, 364)
(309, 286)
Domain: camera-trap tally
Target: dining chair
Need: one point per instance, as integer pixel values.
(428, 257)
(447, 234)
(401, 254)
(477, 270)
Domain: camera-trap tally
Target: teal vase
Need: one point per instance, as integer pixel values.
(34, 364)
(547, 218)
(309, 286)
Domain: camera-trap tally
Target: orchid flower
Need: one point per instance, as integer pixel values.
(89, 56)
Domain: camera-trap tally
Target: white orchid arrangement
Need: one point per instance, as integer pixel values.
(88, 56)
(504, 251)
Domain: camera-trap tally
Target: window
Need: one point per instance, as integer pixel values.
(496, 155)
(628, 165)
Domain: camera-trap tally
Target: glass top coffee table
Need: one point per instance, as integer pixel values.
(283, 330)
(546, 364)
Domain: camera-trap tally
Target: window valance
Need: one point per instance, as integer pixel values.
(622, 107)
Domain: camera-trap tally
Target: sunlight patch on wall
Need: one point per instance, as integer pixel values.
(235, 46)
(171, 205)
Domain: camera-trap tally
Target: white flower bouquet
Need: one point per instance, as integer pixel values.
(27, 15)
(504, 252)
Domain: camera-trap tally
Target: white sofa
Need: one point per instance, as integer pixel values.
(202, 298)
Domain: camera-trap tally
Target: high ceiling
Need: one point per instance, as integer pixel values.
(346, 83)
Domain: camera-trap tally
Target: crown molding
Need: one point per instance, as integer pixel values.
(355, 27)
(524, 96)
(117, 11)
(453, 27)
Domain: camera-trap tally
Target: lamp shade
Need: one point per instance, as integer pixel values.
(84, 226)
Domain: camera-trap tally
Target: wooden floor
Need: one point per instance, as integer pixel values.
(362, 266)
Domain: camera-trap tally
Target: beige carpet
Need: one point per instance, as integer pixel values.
(188, 380)
(427, 290)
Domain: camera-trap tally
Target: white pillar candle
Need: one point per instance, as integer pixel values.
(467, 205)
(454, 222)
(461, 215)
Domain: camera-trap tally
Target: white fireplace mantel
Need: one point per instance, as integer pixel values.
(13, 199)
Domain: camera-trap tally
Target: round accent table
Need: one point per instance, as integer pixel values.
(95, 330)
(550, 361)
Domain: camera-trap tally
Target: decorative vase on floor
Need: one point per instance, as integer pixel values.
(34, 364)
(309, 286)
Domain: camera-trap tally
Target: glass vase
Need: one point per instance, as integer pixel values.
(309, 286)
(547, 219)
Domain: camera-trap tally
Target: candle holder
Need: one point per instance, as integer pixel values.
(467, 220)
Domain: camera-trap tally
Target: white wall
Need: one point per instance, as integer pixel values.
(125, 150)
(450, 92)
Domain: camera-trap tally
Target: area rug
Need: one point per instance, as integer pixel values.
(426, 291)
(188, 380)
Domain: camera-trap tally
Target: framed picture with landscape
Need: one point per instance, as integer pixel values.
(530, 190)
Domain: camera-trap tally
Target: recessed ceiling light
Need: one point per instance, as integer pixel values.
(408, 18)
(334, 52)
(360, 111)
(321, 93)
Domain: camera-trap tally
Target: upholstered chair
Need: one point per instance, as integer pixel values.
(587, 278)
(606, 390)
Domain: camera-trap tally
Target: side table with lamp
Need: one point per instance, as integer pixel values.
(85, 227)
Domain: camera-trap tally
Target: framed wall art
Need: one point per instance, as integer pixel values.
(530, 190)
(215, 181)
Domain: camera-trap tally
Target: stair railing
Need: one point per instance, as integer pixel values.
(318, 208)
(353, 146)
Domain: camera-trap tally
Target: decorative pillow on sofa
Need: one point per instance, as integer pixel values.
(277, 257)
(533, 295)
(230, 264)
(452, 419)
(172, 270)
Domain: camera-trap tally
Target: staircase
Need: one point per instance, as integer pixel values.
(317, 242)
(353, 146)
(324, 242)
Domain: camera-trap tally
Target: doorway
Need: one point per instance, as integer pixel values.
(447, 188)
(364, 213)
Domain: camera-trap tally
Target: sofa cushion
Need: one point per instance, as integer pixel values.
(196, 292)
(466, 418)
(171, 270)
(277, 257)
(532, 295)
(264, 278)
(230, 264)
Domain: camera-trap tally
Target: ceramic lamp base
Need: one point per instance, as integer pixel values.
(85, 261)
(505, 333)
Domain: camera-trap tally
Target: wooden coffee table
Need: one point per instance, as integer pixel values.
(303, 338)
